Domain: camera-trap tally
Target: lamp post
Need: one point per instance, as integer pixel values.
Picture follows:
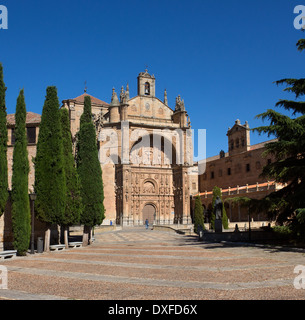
(32, 198)
(249, 224)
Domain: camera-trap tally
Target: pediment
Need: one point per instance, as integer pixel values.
(140, 106)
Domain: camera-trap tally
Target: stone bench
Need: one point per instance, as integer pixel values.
(8, 254)
(57, 247)
(75, 244)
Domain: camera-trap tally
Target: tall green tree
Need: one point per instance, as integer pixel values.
(217, 193)
(50, 184)
(3, 146)
(288, 151)
(90, 173)
(73, 206)
(21, 216)
(198, 215)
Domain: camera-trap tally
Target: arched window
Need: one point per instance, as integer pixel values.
(147, 89)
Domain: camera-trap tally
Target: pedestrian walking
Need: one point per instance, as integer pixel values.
(146, 224)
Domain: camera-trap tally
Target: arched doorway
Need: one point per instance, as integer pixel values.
(149, 212)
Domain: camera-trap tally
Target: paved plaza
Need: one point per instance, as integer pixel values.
(139, 264)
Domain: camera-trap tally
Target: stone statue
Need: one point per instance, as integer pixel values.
(218, 208)
(122, 94)
(179, 104)
(98, 120)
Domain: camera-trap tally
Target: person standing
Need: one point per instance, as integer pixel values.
(146, 224)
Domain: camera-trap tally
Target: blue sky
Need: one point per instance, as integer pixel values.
(222, 56)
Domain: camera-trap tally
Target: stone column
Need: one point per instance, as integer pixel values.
(186, 214)
(126, 194)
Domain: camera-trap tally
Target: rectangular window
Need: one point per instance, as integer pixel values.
(248, 167)
(229, 171)
(258, 165)
(31, 133)
(212, 175)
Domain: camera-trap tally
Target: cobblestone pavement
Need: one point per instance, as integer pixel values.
(135, 264)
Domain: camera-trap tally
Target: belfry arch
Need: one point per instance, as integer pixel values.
(157, 149)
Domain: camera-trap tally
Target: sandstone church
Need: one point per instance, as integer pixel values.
(158, 187)
(146, 154)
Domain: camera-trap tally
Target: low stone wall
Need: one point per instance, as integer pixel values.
(241, 236)
(245, 225)
(78, 230)
(182, 229)
(106, 228)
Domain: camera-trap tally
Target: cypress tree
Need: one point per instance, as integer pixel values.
(73, 205)
(198, 215)
(21, 216)
(90, 173)
(50, 185)
(3, 146)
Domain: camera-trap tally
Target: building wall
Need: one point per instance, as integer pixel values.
(6, 232)
(235, 212)
(238, 169)
(237, 172)
(31, 155)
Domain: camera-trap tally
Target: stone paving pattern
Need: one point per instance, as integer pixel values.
(139, 264)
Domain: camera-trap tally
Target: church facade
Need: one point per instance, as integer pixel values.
(145, 150)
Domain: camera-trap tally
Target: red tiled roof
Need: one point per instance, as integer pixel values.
(261, 144)
(31, 118)
(94, 100)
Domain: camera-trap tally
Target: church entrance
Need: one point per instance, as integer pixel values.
(149, 212)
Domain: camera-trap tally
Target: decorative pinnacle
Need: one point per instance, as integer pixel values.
(165, 97)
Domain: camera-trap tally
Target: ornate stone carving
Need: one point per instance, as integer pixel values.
(149, 187)
(98, 120)
(179, 104)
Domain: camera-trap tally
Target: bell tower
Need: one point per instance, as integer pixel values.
(146, 84)
(239, 138)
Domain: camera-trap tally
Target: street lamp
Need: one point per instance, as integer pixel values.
(33, 197)
(249, 224)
